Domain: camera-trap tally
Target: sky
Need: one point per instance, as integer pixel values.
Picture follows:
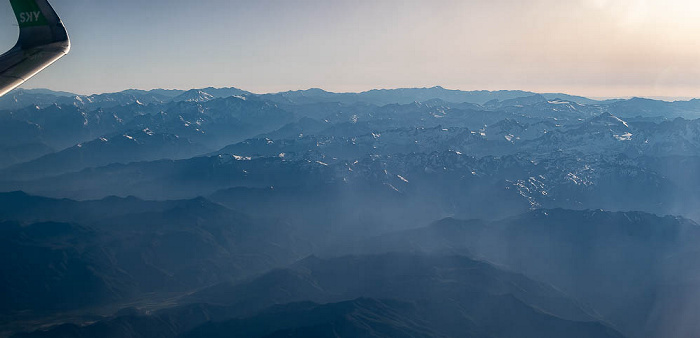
(595, 48)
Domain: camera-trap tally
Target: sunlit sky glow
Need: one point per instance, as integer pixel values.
(597, 48)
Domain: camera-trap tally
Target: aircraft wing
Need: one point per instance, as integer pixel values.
(42, 40)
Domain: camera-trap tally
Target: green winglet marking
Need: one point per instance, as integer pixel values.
(28, 13)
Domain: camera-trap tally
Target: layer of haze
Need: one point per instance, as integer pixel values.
(598, 48)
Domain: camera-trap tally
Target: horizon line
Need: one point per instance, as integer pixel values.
(594, 98)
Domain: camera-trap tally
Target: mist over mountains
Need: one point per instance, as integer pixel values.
(420, 212)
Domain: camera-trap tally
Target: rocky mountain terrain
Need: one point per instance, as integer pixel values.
(419, 212)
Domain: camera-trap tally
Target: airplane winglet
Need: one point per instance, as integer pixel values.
(42, 40)
(38, 24)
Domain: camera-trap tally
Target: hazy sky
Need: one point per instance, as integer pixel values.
(599, 48)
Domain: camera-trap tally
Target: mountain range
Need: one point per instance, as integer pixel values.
(415, 212)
